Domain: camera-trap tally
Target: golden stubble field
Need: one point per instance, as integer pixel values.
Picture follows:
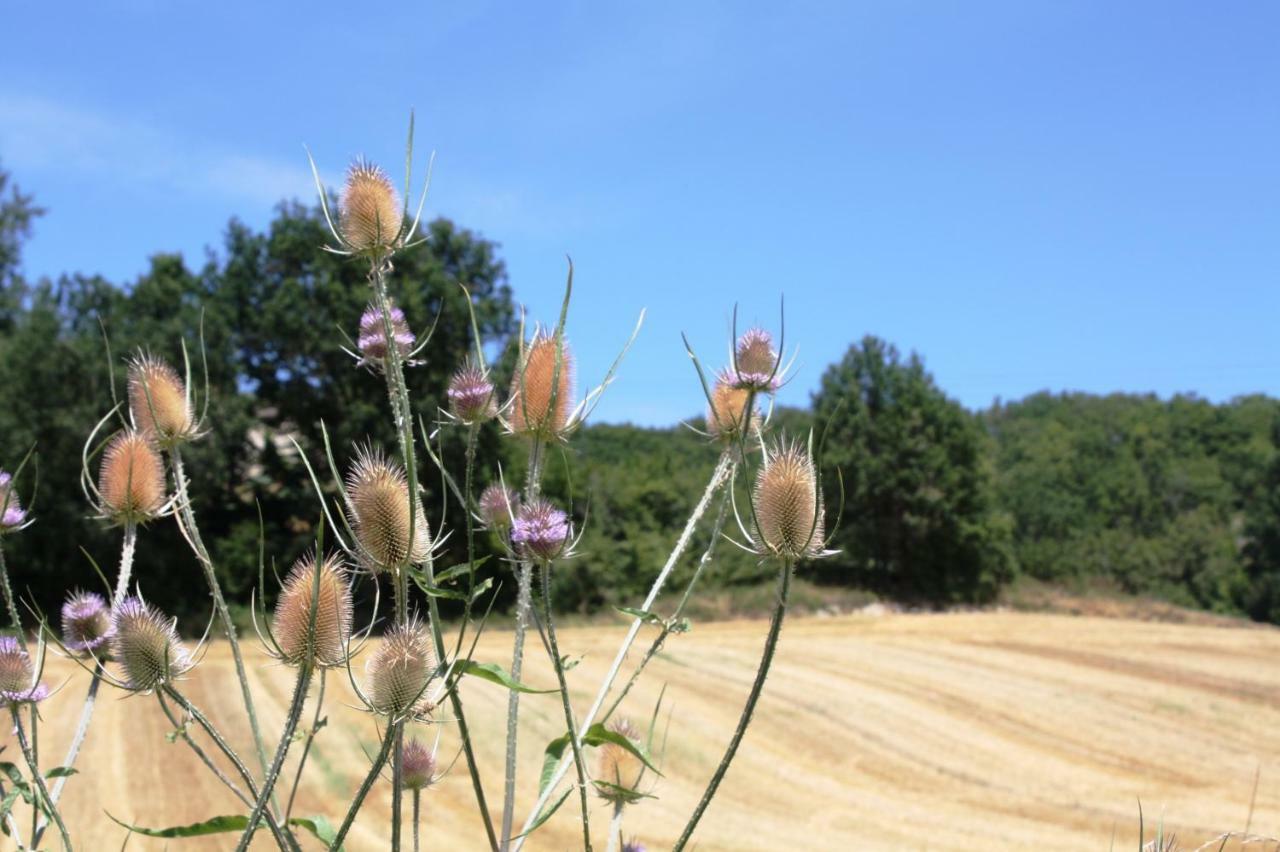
(945, 732)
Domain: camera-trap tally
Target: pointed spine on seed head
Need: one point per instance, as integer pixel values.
(726, 412)
(542, 389)
(372, 338)
(12, 515)
(400, 671)
(787, 503)
(321, 639)
(86, 622)
(498, 504)
(418, 766)
(158, 401)
(541, 531)
(378, 492)
(371, 216)
(471, 395)
(131, 478)
(619, 771)
(17, 674)
(145, 643)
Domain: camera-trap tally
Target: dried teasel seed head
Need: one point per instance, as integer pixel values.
(788, 505)
(17, 674)
(146, 645)
(471, 397)
(379, 495)
(371, 216)
(756, 362)
(541, 531)
(12, 515)
(323, 641)
(497, 506)
(619, 769)
(372, 339)
(542, 389)
(86, 622)
(400, 671)
(158, 401)
(728, 409)
(418, 766)
(131, 479)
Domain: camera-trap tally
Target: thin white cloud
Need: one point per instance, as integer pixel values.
(40, 134)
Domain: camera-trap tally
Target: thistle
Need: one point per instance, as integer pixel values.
(497, 505)
(158, 401)
(302, 639)
(370, 210)
(542, 390)
(400, 671)
(378, 495)
(727, 412)
(146, 645)
(756, 364)
(12, 516)
(619, 770)
(471, 397)
(372, 339)
(418, 766)
(788, 504)
(86, 622)
(17, 675)
(131, 479)
(541, 531)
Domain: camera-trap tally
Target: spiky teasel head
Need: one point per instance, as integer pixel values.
(727, 411)
(158, 401)
(320, 641)
(633, 845)
(541, 403)
(372, 339)
(471, 396)
(787, 504)
(541, 532)
(371, 216)
(417, 766)
(400, 671)
(498, 504)
(12, 515)
(17, 674)
(619, 771)
(146, 645)
(756, 364)
(131, 479)
(379, 501)
(86, 622)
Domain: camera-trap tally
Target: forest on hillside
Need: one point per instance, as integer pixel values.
(1175, 498)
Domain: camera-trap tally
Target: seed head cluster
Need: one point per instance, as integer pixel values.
(371, 216)
(542, 389)
(471, 398)
(619, 768)
(146, 645)
(788, 505)
(86, 622)
(418, 766)
(131, 479)
(17, 675)
(372, 339)
(400, 670)
(728, 409)
(158, 401)
(541, 531)
(756, 362)
(379, 494)
(12, 515)
(321, 642)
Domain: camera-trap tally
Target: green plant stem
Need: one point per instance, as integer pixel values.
(397, 779)
(187, 519)
(723, 473)
(571, 726)
(766, 660)
(286, 739)
(473, 432)
(9, 601)
(128, 544)
(181, 731)
(34, 758)
(417, 816)
(378, 762)
(28, 752)
(306, 749)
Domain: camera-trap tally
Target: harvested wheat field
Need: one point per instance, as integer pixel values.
(953, 731)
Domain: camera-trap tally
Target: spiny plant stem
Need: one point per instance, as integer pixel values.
(77, 740)
(722, 473)
(524, 597)
(28, 752)
(306, 749)
(187, 518)
(397, 776)
(766, 660)
(286, 739)
(558, 664)
(473, 431)
(417, 816)
(127, 545)
(374, 770)
(34, 760)
(9, 601)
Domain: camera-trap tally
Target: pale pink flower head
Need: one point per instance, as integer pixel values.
(86, 622)
(497, 504)
(17, 675)
(756, 364)
(418, 766)
(471, 398)
(12, 515)
(372, 339)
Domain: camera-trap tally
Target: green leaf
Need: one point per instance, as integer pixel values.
(495, 673)
(215, 825)
(60, 772)
(643, 615)
(619, 793)
(598, 735)
(550, 759)
(481, 587)
(6, 807)
(458, 570)
(319, 826)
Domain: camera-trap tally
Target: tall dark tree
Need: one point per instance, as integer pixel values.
(918, 520)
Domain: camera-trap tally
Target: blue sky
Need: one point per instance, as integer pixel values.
(1032, 195)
